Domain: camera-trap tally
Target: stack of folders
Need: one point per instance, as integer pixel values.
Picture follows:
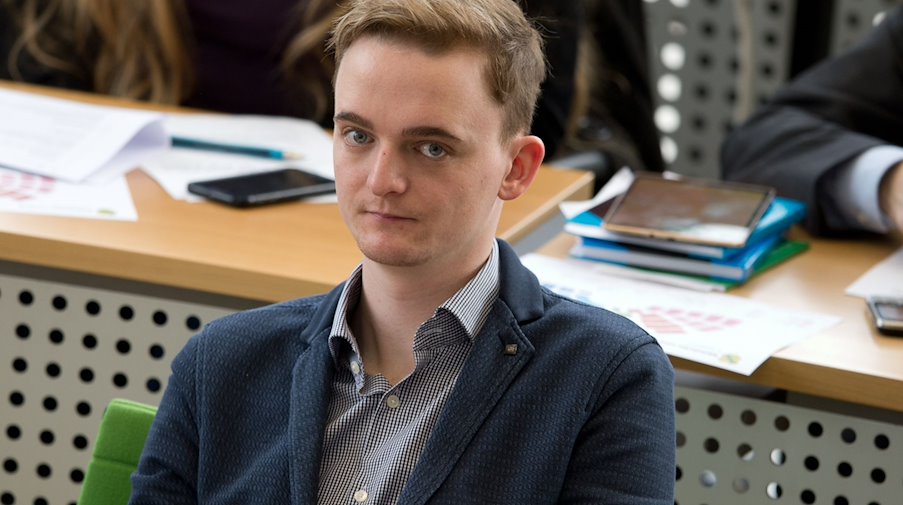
(766, 247)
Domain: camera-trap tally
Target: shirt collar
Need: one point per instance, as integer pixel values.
(470, 305)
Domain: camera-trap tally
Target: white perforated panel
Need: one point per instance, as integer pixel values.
(854, 18)
(734, 450)
(65, 352)
(712, 62)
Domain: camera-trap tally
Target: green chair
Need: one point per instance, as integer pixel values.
(117, 450)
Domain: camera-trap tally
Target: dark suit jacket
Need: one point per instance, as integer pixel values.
(825, 118)
(582, 413)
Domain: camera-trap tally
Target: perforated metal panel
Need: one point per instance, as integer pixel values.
(854, 18)
(65, 352)
(735, 450)
(712, 62)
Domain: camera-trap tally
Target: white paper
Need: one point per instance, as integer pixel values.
(715, 329)
(883, 279)
(70, 140)
(617, 184)
(34, 194)
(175, 168)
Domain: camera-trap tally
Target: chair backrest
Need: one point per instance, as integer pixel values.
(117, 450)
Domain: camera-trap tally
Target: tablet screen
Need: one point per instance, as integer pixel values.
(690, 210)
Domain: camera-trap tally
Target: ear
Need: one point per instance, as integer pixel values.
(528, 152)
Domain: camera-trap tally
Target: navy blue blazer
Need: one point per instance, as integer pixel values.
(583, 412)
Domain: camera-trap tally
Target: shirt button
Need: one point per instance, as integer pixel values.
(360, 496)
(355, 368)
(393, 402)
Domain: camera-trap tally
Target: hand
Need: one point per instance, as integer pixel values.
(890, 195)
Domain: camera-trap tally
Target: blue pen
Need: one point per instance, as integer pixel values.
(261, 152)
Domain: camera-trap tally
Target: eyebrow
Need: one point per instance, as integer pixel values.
(351, 117)
(429, 131)
(415, 131)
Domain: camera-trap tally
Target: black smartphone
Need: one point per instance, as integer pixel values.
(689, 210)
(263, 187)
(887, 314)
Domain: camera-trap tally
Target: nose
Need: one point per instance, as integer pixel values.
(386, 174)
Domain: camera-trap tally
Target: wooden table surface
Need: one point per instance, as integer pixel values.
(851, 361)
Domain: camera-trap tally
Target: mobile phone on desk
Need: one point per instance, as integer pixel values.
(887, 314)
(263, 188)
(691, 210)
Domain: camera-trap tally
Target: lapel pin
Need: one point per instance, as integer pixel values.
(511, 349)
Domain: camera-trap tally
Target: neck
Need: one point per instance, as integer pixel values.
(394, 302)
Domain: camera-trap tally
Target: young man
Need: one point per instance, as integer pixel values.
(441, 371)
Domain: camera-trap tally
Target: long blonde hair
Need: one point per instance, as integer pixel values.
(141, 49)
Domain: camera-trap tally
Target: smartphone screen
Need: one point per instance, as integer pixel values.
(264, 187)
(690, 210)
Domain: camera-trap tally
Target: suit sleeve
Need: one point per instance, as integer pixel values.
(626, 452)
(167, 472)
(823, 120)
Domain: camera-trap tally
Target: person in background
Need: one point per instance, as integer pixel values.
(229, 55)
(833, 138)
(236, 56)
(440, 371)
(613, 104)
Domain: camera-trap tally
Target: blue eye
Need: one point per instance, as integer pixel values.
(432, 150)
(356, 137)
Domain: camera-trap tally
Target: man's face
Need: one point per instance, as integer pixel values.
(418, 157)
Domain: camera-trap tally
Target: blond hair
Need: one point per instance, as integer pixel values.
(514, 49)
(141, 49)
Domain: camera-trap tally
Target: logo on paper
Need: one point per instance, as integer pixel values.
(663, 320)
(21, 186)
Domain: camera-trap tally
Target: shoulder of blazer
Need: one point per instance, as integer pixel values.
(297, 321)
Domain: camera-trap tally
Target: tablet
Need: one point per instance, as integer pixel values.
(689, 210)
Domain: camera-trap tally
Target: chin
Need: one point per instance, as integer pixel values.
(395, 255)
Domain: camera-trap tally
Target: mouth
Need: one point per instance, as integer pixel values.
(387, 216)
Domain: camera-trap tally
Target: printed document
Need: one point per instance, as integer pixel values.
(724, 331)
(883, 279)
(25, 193)
(74, 141)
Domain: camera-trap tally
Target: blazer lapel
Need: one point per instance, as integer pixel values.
(493, 364)
(500, 351)
(311, 381)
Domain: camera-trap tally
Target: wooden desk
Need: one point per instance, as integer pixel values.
(851, 362)
(269, 254)
(273, 253)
